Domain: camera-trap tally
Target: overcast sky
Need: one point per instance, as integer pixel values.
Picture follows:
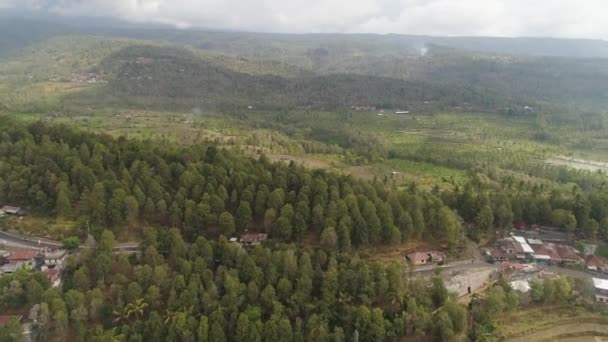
(554, 18)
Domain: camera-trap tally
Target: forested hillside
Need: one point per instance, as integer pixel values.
(205, 191)
(148, 76)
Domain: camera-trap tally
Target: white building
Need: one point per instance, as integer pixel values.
(601, 290)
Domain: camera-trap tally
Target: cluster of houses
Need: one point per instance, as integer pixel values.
(249, 239)
(528, 250)
(425, 258)
(48, 261)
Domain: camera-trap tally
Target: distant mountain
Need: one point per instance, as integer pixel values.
(153, 77)
(23, 26)
(318, 70)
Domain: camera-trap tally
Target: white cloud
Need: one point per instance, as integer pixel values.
(557, 18)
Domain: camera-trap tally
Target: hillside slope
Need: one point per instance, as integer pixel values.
(169, 77)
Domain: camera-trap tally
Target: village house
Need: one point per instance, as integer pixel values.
(437, 256)
(55, 258)
(12, 267)
(596, 263)
(417, 258)
(546, 253)
(515, 247)
(54, 276)
(253, 239)
(423, 258)
(498, 255)
(568, 255)
(523, 249)
(601, 290)
(23, 255)
(10, 210)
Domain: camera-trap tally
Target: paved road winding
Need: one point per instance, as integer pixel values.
(20, 241)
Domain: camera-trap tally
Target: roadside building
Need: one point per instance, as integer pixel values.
(436, 256)
(423, 258)
(498, 255)
(545, 254)
(253, 239)
(568, 255)
(418, 258)
(601, 290)
(523, 249)
(23, 255)
(54, 276)
(596, 263)
(12, 267)
(55, 258)
(10, 210)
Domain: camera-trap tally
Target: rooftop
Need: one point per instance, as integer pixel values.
(10, 209)
(52, 274)
(524, 244)
(56, 254)
(567, 253)
(19, 255)
(594, 260)
(11, 267)
(417, 256)
(600, 284)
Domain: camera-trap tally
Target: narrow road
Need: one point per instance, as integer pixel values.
(20, 241)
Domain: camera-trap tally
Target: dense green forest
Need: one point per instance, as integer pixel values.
(190, 283)
(205, 191)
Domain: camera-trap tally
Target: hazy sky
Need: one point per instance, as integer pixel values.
(555, 18)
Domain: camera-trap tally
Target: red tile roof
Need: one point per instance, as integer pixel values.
(52, 274)
(596, 261)
(567, 253)
(547, 250)
(21, 255)
(418, 257)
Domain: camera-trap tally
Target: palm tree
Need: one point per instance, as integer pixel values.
(396, 298)
(135, 309)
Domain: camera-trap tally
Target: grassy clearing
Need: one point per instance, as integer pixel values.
(526, 321)
(50, 228)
